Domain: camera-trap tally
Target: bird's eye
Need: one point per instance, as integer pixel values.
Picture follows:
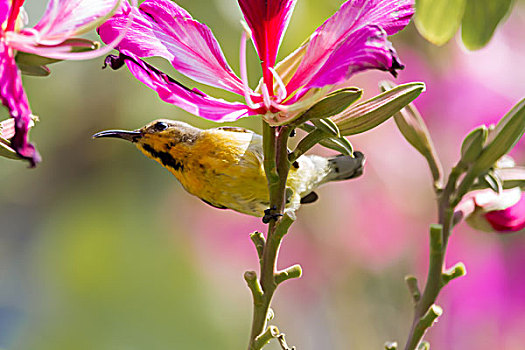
(160, 126)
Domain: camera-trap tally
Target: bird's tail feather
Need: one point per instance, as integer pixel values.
(346, 167)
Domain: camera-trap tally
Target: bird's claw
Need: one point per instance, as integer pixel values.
(271, 214)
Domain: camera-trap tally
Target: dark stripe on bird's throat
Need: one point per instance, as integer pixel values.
(165, 158)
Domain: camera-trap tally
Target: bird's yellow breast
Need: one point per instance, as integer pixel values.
(222, 167)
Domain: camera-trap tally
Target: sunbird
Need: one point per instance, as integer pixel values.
(224, 166)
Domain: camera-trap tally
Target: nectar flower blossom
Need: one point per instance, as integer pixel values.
(352, 40)
(52, 37)
(489, 211)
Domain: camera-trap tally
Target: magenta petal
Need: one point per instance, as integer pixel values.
(337, 32)
(13, 96)
(5, 5)
(66, 18)
(161, 28)
(268, 20)
(171, 91)
(508, 220)
(366, 48)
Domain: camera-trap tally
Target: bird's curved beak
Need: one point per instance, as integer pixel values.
(132, 136)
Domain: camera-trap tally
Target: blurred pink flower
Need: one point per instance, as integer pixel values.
(352, 40)
(489, 211)
(485, 310)
(52, 37)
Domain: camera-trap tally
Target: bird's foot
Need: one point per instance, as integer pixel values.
(271, 214)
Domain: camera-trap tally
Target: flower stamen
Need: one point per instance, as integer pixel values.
(282, 88)
(244, 72)
(266, 96)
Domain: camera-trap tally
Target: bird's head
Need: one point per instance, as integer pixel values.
(159, 135)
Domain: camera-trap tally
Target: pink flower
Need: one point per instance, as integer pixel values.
(52, 37)
(489, 211)
(352, 40)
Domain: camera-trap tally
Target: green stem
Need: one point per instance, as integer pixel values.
(263, 339)
(439, 235)
(276, 167)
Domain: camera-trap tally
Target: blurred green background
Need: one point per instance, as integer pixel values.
(100, 248)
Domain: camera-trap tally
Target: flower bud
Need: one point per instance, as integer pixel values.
(369, 114)
(489, 211)
(473, 144)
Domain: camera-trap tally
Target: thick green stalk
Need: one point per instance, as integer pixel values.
(276, 166)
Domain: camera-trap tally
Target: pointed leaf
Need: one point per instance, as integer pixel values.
(331, 105)
(307, 143)
(35, 71)
(480, 21)
(413, 128)
(438, 20)
(29, 59)
(369, 114)
(327, 126)
(504, 136)
(69, 45)
(6, 151)
(339, 144)
(473, 144)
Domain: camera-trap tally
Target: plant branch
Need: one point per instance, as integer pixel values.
(426, 311)
(259, 241)
(276, 167)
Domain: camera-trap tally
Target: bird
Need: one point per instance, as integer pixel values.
(223, 166)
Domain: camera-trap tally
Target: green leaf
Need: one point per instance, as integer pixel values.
(327, 125)
(473, 144)
(333, 104)
(7, 130)
(6, 151)
(413, 128)
(339, 144)
(30, 59)
(34, 71)
(371, 113)
(438, 20)
(35, 65)
(502, 138)
(307, 142)
(480, 21)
